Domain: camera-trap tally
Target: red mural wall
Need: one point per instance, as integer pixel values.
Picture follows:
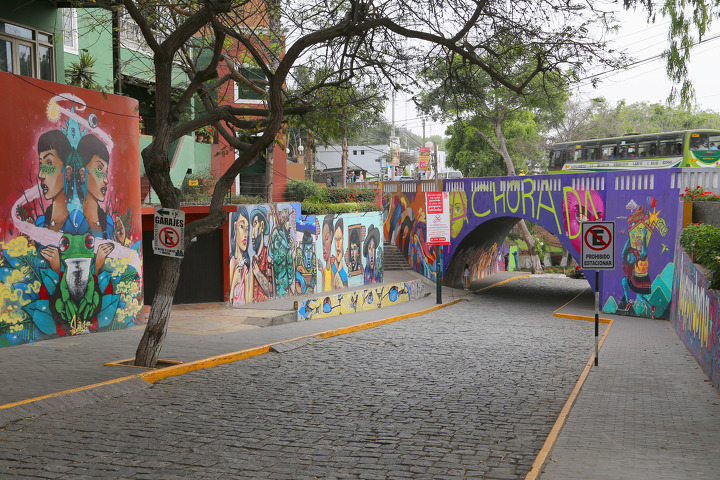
(70, 228)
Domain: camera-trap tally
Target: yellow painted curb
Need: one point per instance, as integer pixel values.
(582, 317)
(125, 363)
(79, 389)
(377, 323)
(175, 370)
(500, 283)
(560, 422)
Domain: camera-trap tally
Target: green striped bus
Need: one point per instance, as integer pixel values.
(688, 148)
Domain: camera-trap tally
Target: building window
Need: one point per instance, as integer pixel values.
(245, 94)
(25, 51)
(354, 152)
(70, 33)
(362, 152)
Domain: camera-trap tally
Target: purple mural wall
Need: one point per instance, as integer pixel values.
(695, 315)
(644, 207)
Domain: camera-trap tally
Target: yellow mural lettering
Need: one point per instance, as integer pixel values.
(528, 194)
(487, 212)
(566, 191)
(550, 208)
(507, 197)
(498, 197)
(695, 310)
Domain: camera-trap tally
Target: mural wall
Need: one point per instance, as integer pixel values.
(70, 231)
(644, 207)
(275, 252)
(695, 315)
(371, 298)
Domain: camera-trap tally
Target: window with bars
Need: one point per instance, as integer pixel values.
(70, 32)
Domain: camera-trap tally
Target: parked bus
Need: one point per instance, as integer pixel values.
(688, 148)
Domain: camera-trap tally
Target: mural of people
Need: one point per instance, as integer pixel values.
(93, 179)
(458, 212)
(281, 251)
(355, 251)
(373, 274)
(53, 152)
(240, 287)
(262, 269)
(62, 269)
(340, 277)
(305, 265)
(326, 263)
(580, 206)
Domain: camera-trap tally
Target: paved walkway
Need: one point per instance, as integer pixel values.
(647, 411)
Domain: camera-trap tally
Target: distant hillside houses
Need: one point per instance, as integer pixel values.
(363, 159)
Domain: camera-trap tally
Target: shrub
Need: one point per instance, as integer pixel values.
(342, 195)
(703, 243)
(299, 190)
(317, 208)
(699, 194)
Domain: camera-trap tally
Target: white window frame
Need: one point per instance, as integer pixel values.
(70, 17)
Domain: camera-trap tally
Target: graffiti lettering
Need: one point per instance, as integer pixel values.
(694, 304)
(487, 212)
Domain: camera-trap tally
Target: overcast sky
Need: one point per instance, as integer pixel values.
(647, 82)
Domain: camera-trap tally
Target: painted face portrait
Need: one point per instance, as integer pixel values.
(97, 174)
(371, 254)
(581, 206)
(354, 255)
(338, 243)
(241, 235)
(458, 212)
(51, 174)
(258, 227)
(308, 250)
(327, 241)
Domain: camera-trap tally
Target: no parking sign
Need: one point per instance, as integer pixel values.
(169, 235)
(598, 246)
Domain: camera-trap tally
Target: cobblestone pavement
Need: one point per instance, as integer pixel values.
(468, 391)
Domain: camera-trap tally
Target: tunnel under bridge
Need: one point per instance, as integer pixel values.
(644, 204)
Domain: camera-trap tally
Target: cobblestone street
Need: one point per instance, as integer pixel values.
(467, 391)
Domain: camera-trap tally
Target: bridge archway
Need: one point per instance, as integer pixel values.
(644, 204)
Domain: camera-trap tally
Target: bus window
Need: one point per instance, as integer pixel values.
(671, 146)
(622, 151)
(704, 141)
(591, 153)
(577, 155)
(557, 159)
(609, 151)
(647, 148)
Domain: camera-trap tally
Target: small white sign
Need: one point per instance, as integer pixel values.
(437, 208)
(598, 246)
(169, 235)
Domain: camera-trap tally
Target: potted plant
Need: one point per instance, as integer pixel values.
(705, 205)
(205, 134)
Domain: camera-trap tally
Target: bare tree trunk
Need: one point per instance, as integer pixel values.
(501, 148)
(148, 350)
(344, 161)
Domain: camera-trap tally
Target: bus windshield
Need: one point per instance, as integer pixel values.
(704, 141)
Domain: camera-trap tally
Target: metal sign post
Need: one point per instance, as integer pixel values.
(598, 253)
(437, 225)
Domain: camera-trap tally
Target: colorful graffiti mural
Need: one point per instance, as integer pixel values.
(70, 240)
(696, 314)
(642, 205)
(381, 296)
(274, 252)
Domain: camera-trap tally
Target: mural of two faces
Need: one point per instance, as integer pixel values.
(644, 207)
(275, 251)
(70, 259)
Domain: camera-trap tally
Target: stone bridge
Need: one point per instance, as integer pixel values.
(645, 205)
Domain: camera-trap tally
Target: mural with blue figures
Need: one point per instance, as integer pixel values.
(349, 251)
(263, 245)
(647, 216)
(643, 206)
(696, 315)
(274, 252)
(371, 298)
(70, 239)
